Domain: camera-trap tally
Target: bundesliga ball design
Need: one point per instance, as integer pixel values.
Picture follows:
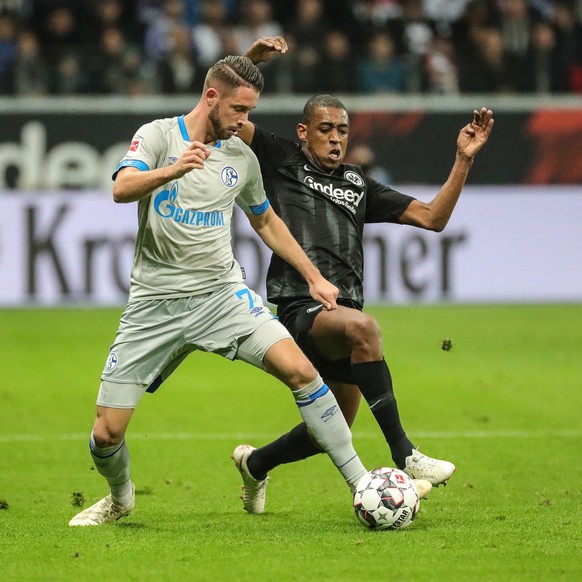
(386, 498)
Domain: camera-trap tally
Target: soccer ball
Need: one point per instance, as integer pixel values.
(386, 498)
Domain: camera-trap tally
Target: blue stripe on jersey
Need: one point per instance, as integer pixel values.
(183, 129)
(261, 208)
(218, 144)
(313, 397)
(130, 163)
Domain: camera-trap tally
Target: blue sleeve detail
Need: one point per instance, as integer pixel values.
(130, 163)
(261, 208)
(183, 129)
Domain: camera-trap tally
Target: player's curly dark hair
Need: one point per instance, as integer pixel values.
(317, 102)
(234, 72)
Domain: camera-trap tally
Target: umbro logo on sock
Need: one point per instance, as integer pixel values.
(329, 413)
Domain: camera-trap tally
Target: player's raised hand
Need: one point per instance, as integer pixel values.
(193, 158)
(474, 135)
(265, 48)
(324, 292)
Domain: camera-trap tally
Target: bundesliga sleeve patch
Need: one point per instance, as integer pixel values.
(134, 145)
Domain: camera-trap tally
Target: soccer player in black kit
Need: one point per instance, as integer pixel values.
(325, 203)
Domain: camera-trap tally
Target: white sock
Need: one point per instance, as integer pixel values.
(113, 464)
(328, 427)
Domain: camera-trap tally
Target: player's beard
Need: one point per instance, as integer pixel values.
(219, 130)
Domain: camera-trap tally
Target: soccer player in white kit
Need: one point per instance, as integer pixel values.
(187, 290)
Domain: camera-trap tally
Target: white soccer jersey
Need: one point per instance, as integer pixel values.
(183, 242)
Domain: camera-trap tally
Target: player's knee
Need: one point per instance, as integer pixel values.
(289, 364)
(365, 334)
(105, 434)
(302, 374)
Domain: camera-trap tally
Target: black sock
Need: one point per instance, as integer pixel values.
(375, 383)
(292, 446)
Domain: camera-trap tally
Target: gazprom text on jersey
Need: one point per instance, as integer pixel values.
(165, 207)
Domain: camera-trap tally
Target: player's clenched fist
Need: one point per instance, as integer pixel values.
(192, 159)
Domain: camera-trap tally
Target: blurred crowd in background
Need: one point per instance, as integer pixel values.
(145, 47)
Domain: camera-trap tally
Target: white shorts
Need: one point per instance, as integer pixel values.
(155, 336)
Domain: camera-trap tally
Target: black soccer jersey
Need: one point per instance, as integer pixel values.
(325, 213)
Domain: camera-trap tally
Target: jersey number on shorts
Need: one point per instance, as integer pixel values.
(246, 293)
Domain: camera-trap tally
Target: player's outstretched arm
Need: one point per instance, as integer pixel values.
(266, 48)
(435, 214)
(275, 234)
(132, 184)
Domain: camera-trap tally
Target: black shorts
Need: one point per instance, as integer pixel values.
(298, 316)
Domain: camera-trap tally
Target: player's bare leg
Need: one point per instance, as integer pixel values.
(111, 457)
(317, 405)
(347, 332)
(322, 417)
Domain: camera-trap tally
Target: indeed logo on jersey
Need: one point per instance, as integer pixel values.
(165, 206)
(344, 197)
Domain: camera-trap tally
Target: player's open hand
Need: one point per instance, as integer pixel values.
(474, 135)
(192, 159)
(324, 292)
(265, 48)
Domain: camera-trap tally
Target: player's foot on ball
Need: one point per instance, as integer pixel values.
(419, 466)
(423, 487)
(254, 490)
(104, 511)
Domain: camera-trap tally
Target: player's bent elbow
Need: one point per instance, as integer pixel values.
(424, 216)
(428, 224)
(117, 192)
(437, 226)
(434, 223)
(120, 196)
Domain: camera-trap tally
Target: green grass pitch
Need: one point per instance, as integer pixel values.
(504, 404)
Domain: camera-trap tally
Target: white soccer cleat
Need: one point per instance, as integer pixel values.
(423, 487)
(419, 466)
(254, 490)
(104, 511)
